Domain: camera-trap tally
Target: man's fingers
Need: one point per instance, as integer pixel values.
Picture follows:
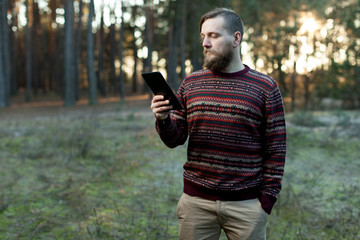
(157, 98)
(163, 109)
(160, 107)
(158, 103)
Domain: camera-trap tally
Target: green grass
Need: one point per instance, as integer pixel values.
(88, 178)
(109, 176)
(320, 197)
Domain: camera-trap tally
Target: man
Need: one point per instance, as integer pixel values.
(235, 126)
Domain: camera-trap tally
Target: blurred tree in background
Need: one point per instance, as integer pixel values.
(81, 49)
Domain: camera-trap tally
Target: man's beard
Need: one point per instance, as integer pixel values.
(218, 62)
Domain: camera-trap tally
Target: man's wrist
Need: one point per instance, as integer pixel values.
(267, 202)
(163, 120)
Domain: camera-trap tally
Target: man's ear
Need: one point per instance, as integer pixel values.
(237, 39)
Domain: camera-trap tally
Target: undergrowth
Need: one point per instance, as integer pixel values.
(87, 178)
(110, 177)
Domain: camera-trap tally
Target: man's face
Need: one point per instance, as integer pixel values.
(217, 44)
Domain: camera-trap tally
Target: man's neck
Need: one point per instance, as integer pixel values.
(232, 69)
(235, 65)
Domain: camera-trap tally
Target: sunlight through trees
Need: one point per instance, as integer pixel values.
(310, 47)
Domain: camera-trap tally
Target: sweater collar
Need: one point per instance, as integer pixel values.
(234, 74)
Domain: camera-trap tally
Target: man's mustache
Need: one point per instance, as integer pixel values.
(208, 51)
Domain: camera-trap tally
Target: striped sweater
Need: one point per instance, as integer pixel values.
(235, 126)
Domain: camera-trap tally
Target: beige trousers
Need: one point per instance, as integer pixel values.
(201, 219)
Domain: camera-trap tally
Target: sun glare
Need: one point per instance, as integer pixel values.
(305, 61)
(309, 26)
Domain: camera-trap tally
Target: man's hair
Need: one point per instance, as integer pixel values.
(232, 19)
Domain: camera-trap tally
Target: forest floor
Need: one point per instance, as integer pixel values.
(50, 106)
(101, 172)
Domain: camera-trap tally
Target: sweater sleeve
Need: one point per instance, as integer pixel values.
(173, 130)
(274, 149)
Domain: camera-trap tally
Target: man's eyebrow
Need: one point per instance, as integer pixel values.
(209, 33)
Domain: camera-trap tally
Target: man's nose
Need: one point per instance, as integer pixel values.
(206, 43)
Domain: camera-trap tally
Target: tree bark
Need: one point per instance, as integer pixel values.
(173, 42)
(78, 52)
(135, 49)
(34, 47)
(28, 55)
(307, 92)
(293, 89)
(113, 83)
(13, 51)
(121, 55)
(134, 77)
(69, 54)
(5, 55)
(149, 37)
(90, 58)
(3, 87)
(149, 41)
(52, 48)
(195, 47)
(183, 39)
(100, 43)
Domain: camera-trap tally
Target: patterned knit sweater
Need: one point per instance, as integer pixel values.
(237, 135)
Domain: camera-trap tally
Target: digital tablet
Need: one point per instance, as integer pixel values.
(159, 86)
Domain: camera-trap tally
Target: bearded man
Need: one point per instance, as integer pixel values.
(235, 126)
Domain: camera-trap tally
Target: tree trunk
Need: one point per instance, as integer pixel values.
(6, 53)
(34, 47)
(100, 44)
(149, 39)
(281, 76)
(134, 48)
(28, 55)
(51, 46)
(90, 58)
(293, 89)
(183, 39)
(3, 87)
(307, 92)
(78, 52)
(59, 63)
(195, 47)
(357, 81)
(14, 51)
(134, 77)
(173, 42)
(113, 83)
(121, 48)
(5, 56)
(69, 54)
